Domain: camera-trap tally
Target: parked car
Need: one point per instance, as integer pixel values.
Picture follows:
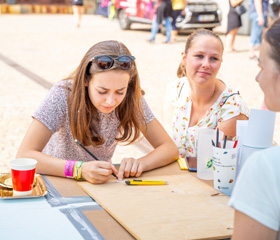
(199, 14)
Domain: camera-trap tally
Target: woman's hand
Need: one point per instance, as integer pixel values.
(97, 171)
(130, 167)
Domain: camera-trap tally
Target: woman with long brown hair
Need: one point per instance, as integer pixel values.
(99, 105)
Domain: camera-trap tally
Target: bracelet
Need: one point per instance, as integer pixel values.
(68, 168)
(77, 173)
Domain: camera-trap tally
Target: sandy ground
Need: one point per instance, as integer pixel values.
(49, 47)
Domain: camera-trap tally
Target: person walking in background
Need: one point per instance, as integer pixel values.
(78, 8)
(234, 23)
(256, 194)
(273, 10)
(258, 17)
(178, 9)
(163, 13)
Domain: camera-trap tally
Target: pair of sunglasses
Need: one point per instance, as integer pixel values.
(106, 62)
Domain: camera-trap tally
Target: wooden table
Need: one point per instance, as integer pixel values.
(93, 222)
(202, 215)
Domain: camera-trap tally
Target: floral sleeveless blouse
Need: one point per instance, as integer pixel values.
(228, 105)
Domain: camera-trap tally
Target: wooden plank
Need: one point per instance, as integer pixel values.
(66, 187)
(107, 226)
(183, 209)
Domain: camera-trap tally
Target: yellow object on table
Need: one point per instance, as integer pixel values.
(182, 163)
(144, 182)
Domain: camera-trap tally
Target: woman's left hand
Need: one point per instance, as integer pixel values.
(130, 167)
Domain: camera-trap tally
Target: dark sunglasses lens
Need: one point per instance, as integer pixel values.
(104, 62)
(125, 62)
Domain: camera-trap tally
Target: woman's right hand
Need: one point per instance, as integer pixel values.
(97, 171)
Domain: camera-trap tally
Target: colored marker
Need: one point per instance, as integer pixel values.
(145, 182)
(235, 143)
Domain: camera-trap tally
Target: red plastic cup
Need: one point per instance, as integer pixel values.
(23, 173)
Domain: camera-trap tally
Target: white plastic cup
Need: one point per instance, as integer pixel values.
(23, 173)
(205, 152)
(224, 168)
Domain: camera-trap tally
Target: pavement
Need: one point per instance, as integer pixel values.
(38, 50)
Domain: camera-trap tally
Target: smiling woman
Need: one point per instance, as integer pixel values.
(201, 100)
(99, 105)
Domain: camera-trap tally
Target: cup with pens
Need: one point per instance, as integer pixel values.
(224, 164)
(204, 152)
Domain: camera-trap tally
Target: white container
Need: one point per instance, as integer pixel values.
(205, 152)
(224, 168)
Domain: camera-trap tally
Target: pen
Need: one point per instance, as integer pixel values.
(225, 141)
(145, 182)
(235, 143)
(217, 138)
(91, 154)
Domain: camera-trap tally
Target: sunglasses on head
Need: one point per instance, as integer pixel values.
(106, 62)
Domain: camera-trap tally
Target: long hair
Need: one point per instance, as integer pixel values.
(272, 36)
(181, 72)
(83, 115)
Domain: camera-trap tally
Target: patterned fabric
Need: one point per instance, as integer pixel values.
(53, 113)
(228, 105)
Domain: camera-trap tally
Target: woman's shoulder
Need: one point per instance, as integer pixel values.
(230, 94)
(52, 110)
(177, 82)
(231, 103)
(268, 157)
(60, 88)
(147, 110)
(67, 83)
(177, 88)
(228, 90)
(57, 95)
(271, 153)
